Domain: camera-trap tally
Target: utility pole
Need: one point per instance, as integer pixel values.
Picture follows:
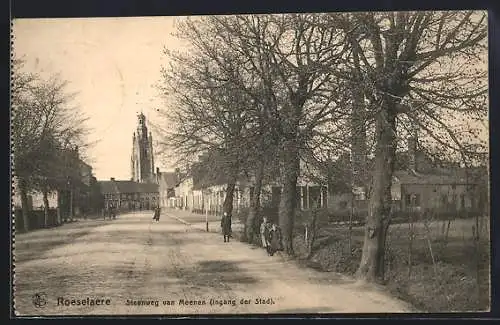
(206, 218)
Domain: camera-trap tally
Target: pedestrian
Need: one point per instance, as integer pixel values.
(156, 215)
(264, 234)
(113, 212)
(225, 224)
(275, 239)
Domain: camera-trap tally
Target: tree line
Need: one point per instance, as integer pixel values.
(48, 135)
(265, 91)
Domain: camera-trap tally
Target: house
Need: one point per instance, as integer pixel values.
(445, 191)
(129, 195)
(77, 186)
(167, 181)
(204, 190)
(419, 185)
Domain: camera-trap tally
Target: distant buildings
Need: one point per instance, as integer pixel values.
(129, 195)
(417, 186)
(72, 194)
(141, 191)
(204, 190)
(167, 182)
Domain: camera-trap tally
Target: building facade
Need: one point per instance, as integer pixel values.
(167, 181)
(205, 190)
(142, 190)
(129, 195)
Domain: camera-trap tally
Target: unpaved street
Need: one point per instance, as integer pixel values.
(134, 266)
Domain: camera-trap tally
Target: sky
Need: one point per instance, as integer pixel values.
(112, 64)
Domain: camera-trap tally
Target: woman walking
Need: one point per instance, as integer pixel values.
(156, 215)
(225, 224)
(264, 234)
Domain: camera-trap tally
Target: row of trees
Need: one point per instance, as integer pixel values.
(265, 91)
(48, 134)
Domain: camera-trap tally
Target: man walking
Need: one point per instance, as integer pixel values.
(225, 224)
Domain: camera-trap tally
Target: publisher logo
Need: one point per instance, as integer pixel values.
(39, 299)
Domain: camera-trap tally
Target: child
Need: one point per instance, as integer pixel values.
(264, 234)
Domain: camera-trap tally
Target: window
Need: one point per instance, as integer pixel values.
(412, 200)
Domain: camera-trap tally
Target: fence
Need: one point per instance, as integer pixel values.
(36, 219)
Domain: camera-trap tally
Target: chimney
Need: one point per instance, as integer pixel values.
(112, 179)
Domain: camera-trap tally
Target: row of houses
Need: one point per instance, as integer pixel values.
(78, 195)
(418, 188)
(127, 195)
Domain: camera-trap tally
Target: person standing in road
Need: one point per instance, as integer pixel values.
(225, 224)
(156, 215)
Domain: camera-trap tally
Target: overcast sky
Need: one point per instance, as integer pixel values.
(112, 63)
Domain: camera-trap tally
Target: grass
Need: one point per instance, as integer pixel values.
(455, 277)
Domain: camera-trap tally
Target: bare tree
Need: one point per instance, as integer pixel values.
(408, 64)
(285, 56)
(209, 113)
(44, 122)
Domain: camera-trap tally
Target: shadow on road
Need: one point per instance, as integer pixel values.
(30, 247)
(215, 274)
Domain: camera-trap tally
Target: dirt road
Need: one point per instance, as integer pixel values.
(135, 266)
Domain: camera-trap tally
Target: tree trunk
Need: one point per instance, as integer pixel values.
(227, 206)
(254, 203)
(313, 234)
(228, 200)
(45, 207)
(288, 202)
(23, 189)
(371, 267)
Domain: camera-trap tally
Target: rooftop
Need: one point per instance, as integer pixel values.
(117, 186)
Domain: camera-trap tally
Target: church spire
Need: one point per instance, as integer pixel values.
(142, 152)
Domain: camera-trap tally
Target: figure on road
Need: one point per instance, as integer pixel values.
(264, 234)
(275, 240)
(225, 224)
(110, 212)
(156, 215)
(113, 212)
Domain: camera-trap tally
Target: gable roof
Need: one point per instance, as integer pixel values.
(169, 179)
(113, 187)
(108, 187)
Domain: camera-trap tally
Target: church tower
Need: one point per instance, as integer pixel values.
(142, 161)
